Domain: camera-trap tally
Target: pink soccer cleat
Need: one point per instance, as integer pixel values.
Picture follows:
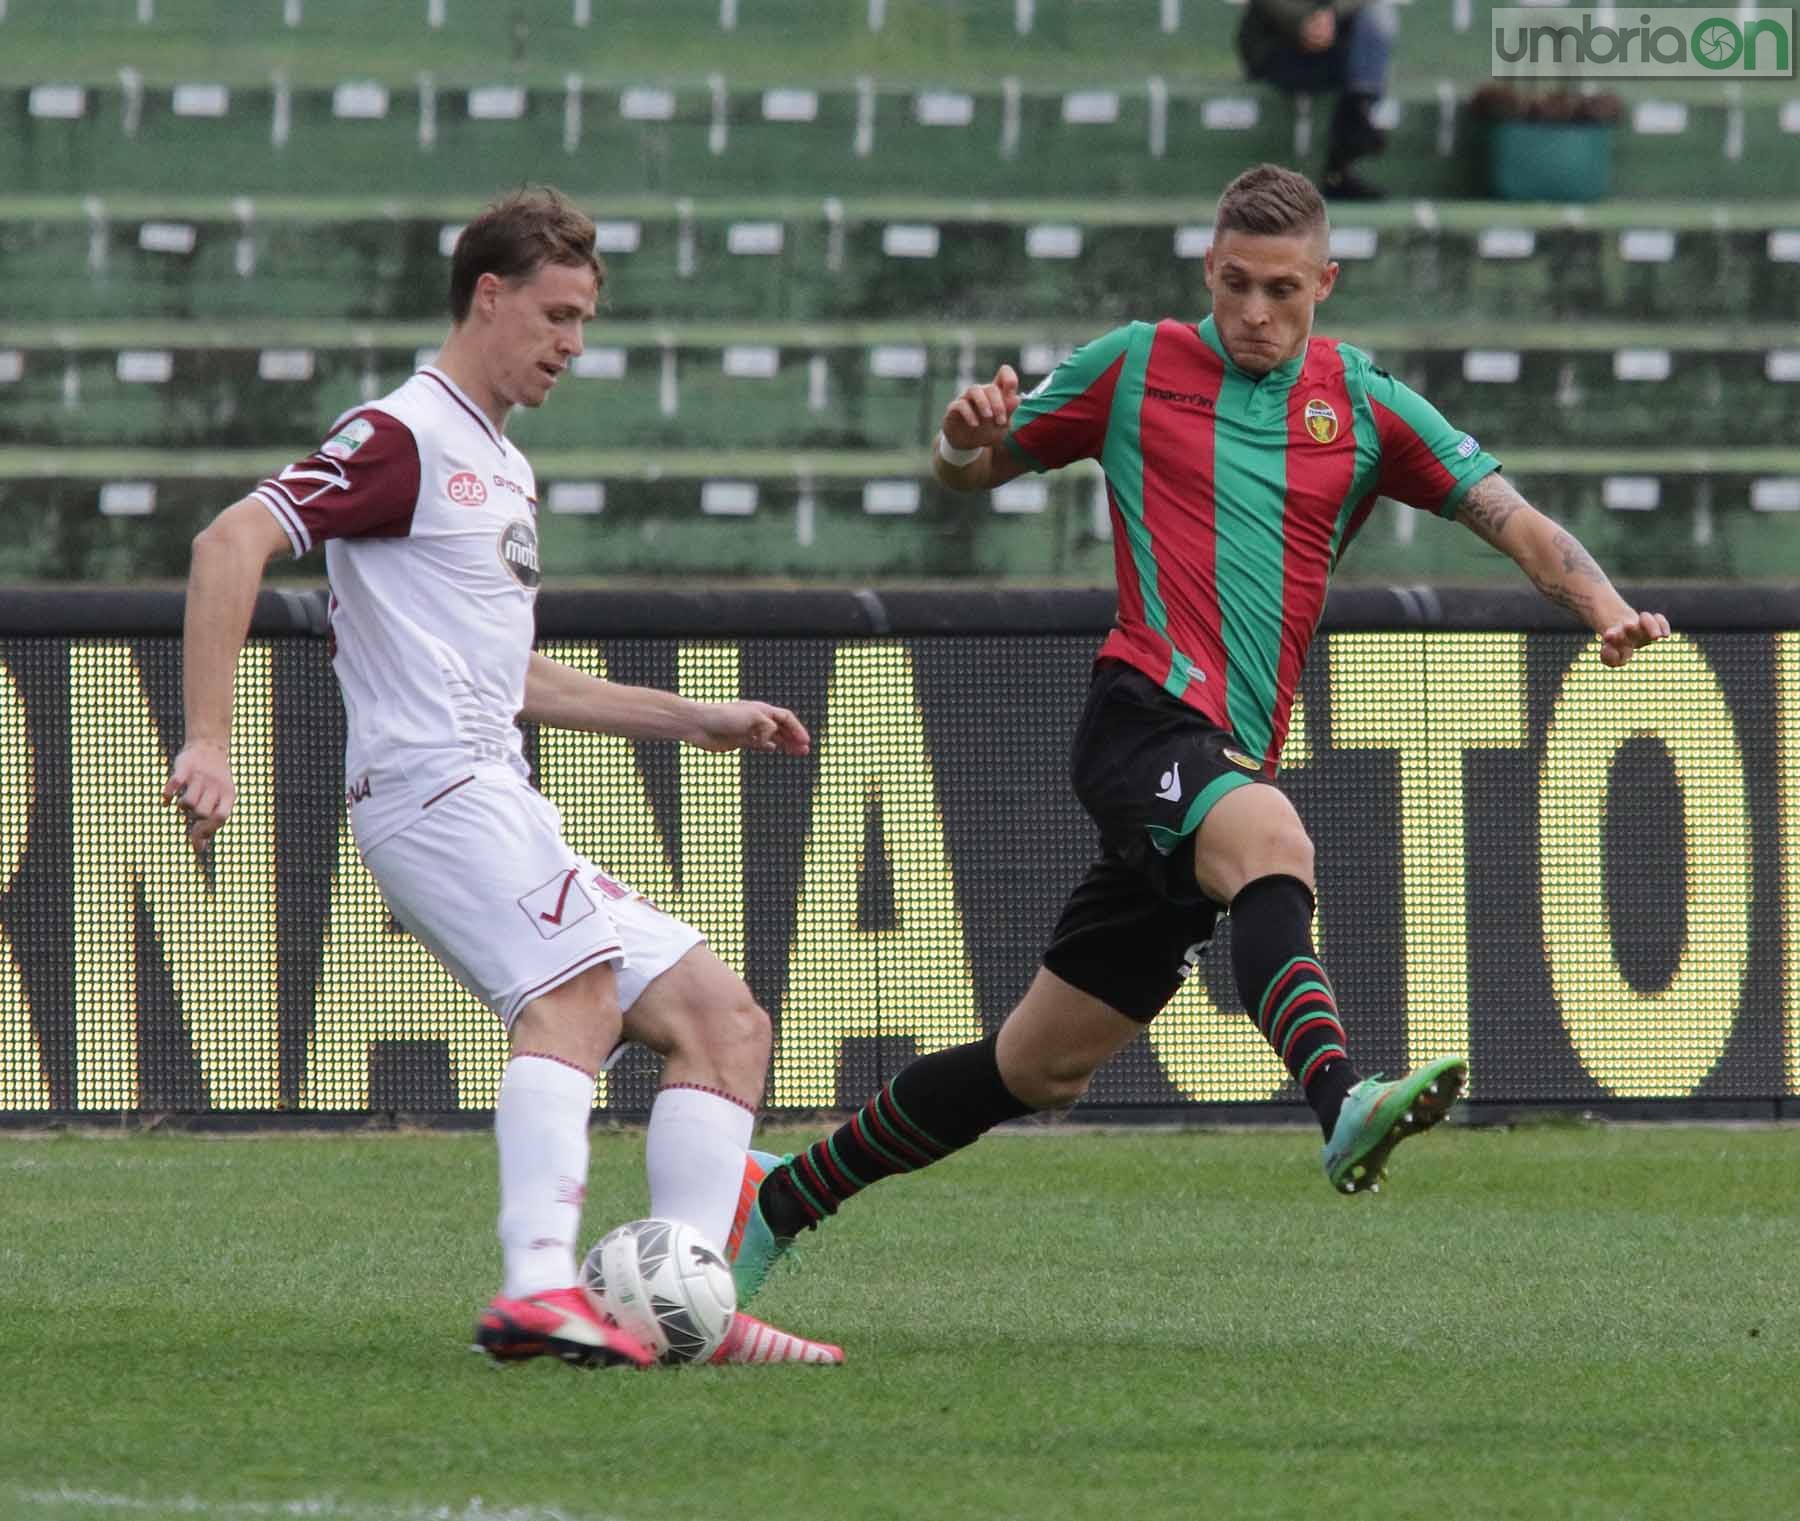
(751, 1341)
(561, 1323)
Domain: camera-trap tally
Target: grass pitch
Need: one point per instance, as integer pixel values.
(1546, 1323)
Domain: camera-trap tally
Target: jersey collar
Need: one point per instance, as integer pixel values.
(462, 399)
(1284, 373)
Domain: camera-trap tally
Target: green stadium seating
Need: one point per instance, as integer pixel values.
(778, 386)
(1148, 137)
(224, 224)
(122, 515)
(792, 260)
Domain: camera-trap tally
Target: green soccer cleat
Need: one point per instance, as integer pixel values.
(1378, 1116)
(753, 1248)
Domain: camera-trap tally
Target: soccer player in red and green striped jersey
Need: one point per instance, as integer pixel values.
(1241, 456)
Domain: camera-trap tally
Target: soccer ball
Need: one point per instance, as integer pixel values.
(664, 1285)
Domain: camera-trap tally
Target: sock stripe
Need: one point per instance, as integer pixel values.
(821, 1161)
(1280, 980)
(814, 1175)
(1321, 1022)
(838, 1162)
(1323, 1054)
(904, 1130)
(807, 1201)
(1308, 1000)
(878, 1122)
(925, 1138)
(730, 1098)
(545, 1056)
(861, 1133)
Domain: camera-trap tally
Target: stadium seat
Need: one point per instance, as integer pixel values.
(826, 260)
(1165, 133)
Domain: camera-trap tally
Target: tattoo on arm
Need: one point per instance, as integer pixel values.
(1559, 567)
(1488, 507)
(1570, 577)
(1576, 561)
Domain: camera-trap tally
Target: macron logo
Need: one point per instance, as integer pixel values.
(1170, 787)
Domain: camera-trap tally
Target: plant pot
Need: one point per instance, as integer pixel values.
(1549, 160)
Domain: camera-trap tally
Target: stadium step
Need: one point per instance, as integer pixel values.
(844, 386)
(959, 260)
(836, 515)
(1068, 42)
(1165, 132)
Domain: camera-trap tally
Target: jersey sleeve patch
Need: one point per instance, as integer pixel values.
(1425, 461)
(362, 482)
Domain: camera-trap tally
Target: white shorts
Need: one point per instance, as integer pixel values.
(488, 885)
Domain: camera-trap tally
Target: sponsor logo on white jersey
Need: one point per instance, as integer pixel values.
(519, 552)
(465, 489)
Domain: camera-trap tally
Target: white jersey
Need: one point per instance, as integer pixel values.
(433, 563)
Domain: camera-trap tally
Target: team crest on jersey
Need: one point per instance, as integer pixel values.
(348, 439)
(1321, 420)
(519, 552)
(1238, 758)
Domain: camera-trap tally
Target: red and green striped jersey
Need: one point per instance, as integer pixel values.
(1234, 497)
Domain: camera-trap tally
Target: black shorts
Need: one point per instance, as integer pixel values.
(1147, 768)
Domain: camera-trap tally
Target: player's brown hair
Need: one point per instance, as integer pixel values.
(1269, 201)
(517, 236)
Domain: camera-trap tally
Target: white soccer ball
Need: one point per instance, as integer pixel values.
(664, 1285)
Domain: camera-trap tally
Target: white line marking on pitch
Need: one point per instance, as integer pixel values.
(318, 1509)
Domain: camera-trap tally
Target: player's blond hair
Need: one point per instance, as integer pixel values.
(515, 237)
(1269, 201)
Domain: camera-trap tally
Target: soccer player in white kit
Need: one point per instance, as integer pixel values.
(430, 517)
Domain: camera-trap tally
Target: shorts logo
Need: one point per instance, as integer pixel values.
(1321, 420)
(1468, 446)
(348, 439)
(465, 489)
(1238, 758)
(519, 552)
(560, 902)
(1169, 787)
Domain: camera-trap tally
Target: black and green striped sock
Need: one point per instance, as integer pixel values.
(1287, 992)
(933, 1106)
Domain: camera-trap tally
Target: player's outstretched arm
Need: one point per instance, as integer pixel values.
(977, 421)
(226, 569)
(565, 698)
(1559, 567)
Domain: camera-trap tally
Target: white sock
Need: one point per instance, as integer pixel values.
(540, 1122)
(694, 1153)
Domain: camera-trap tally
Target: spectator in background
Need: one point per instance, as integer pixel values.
(1313, 48)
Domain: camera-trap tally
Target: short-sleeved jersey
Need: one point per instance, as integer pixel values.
(431, 516)
(1234, 496)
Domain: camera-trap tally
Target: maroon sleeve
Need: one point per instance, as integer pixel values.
(361, 483)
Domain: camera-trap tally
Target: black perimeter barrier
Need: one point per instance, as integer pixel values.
(1588, 880)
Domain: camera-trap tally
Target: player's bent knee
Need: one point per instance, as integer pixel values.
(726, 1030)
(1055, 1087)
(744, 1026)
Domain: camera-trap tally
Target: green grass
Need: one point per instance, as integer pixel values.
(1548, 1323)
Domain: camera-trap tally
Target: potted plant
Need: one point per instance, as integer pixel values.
(1546, 145)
